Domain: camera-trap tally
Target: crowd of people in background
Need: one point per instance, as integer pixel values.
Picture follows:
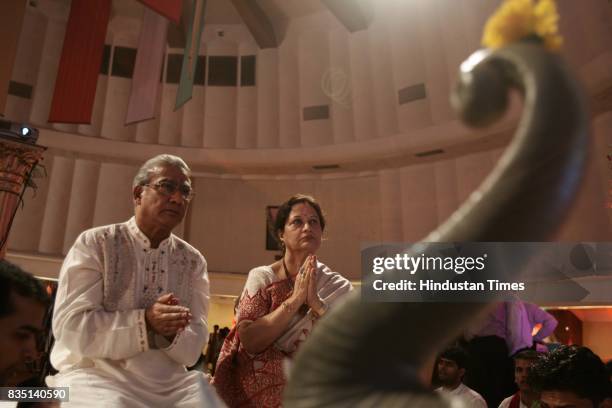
(507, 329)
(540, 375)
(566, 377)
(215, 342)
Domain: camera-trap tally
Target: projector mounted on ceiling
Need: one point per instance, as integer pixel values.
(18, 131)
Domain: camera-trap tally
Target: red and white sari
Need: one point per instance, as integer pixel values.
(246, 380)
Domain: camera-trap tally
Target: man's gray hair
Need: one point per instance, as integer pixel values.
(162, 160)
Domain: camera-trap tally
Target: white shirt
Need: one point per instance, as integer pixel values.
(108, 278)
(469, 397)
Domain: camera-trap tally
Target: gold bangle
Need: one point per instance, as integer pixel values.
(287, 307)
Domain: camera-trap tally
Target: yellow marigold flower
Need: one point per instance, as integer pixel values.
(517, 19)
(546, 24)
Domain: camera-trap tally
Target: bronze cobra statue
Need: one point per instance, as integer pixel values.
(370, 354)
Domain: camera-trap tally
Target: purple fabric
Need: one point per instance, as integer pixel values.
(514, 322)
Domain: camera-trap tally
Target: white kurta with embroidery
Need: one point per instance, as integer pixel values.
(102, 349)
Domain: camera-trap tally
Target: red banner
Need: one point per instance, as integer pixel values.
(77, 76)
(168, 8)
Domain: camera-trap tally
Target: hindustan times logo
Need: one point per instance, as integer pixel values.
(412, 264)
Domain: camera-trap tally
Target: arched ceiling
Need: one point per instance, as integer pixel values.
(387, 49)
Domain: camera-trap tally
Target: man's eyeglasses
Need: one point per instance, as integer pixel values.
(168, 188)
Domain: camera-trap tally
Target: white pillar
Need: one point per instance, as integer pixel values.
(82, 200)
(418, 189)
(148, 130)
(434, 56)
(391, 205)
(408, 65)
(337, 86)
(289, 101)
(470, 172)
(385, 96)
(56, 208)
(454, 40)
(192, 127)
(114, 194)
(361, 84)
(446, 189)
(267, 86)
(313, 60)
(27, 224)
(246, 112)
(220, 113)
(170, 121)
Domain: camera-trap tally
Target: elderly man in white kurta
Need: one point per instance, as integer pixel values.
(132, 304)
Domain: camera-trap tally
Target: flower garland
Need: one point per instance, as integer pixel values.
(516, 20)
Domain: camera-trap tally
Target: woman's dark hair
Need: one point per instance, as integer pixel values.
(285, 209)
(571, 368)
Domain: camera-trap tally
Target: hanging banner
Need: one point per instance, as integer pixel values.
(168, 8)
(149, 63)
(190, 57)
(77, 76)
(11, 20)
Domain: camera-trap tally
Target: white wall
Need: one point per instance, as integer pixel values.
(227, 218)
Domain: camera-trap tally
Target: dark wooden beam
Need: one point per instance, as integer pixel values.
(257, 21)
(355, 15)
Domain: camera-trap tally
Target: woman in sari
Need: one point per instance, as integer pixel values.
(278, 308)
